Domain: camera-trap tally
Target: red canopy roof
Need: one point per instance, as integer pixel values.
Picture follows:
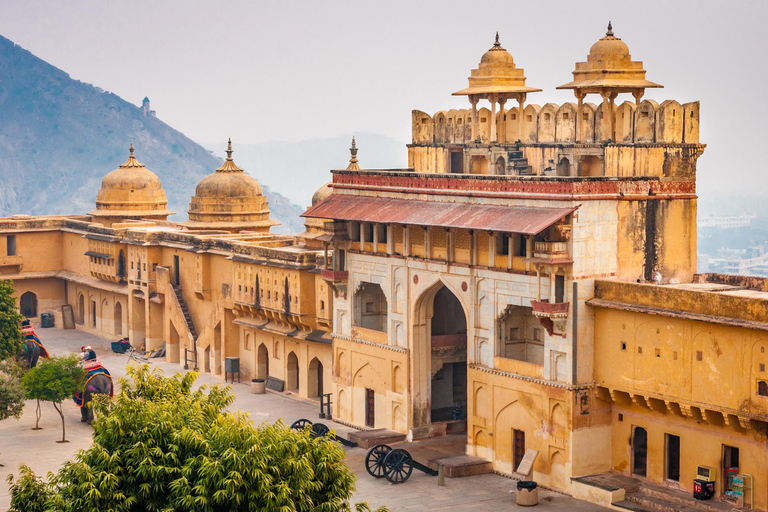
(528, 220)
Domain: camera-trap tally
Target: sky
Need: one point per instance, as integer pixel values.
(293, 70)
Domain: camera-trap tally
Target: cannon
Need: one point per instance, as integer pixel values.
(394, 465)
(320, 430)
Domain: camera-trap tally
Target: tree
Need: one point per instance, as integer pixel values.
(11, 393)
(161, 446)
(11, 338)
(55, 380)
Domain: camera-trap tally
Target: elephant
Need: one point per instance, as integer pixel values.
(31, 351)
(96, 384)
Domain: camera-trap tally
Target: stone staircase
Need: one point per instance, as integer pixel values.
(185, 310)
(517, 164)
(653, 498)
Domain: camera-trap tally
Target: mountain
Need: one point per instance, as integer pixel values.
(297, 169)
(59, 137)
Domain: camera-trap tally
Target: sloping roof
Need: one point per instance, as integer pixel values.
(528, 220)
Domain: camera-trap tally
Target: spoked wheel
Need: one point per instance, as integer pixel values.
(374, 460)
(300, 424)
(319, 429)
(398, 466)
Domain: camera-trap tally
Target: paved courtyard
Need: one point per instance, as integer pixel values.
(19, 444)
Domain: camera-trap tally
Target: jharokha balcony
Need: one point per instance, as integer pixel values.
(552, 315)
(335, 276)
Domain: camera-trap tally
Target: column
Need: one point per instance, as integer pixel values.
(520, 115)
(606, 124)
(502, 130)
(579, 115)
(491, 249)
(406, 241)
(390, 239)
(638, 94)
(473, 100)
(450, 249)
(492, 99)
(375, 228)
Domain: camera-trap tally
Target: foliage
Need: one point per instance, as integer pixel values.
(11, 338)
(30, 493)
(161, 446)
(12, 395)
(54, 380)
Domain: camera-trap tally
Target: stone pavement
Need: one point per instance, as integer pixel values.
(39, 449)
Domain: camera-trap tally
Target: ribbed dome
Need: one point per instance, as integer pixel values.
(229, 200)
(130, 192)
(322, 193)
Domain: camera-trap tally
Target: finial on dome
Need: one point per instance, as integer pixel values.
(497, 43)
(229, 163)
(131, 162)
(610, 30)
(353, 161)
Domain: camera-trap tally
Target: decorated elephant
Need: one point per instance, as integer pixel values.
(98, 381)
(32, 349)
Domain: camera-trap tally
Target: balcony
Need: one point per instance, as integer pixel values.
(335, 276)
(550, 253)
(552, 316)
(12, 261)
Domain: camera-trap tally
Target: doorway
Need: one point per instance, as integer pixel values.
(118, 319)
(292, 373)
(639, 451)
(93, 313)
(730, 466)
(262, 362)
(315, 380)
(518, 447)
(673, 457)
(176, 276)
(457, 162)
(370, 420)
(28, 305)
(448, 343)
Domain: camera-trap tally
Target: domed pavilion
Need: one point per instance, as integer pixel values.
(131, 192)
(229, 200)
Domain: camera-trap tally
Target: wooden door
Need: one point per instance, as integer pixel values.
(369, 409)
(518, 447)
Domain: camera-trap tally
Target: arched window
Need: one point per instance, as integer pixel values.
(371, 307)
(28, 305)
(762, 388)
(118, 318)
(81, 309)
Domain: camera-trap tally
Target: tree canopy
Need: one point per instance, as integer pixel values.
(54, 380)
(11, 338)
(12, 396)
(160, 446)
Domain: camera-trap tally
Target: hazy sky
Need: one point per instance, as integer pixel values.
(290, 70)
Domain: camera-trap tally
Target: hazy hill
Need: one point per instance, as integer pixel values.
(59, 137)
(296, 169)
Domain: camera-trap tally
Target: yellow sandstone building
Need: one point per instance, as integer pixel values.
(529, 280)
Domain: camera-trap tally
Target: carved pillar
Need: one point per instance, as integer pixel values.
(473, 100)
(502, 129)
(492, 99)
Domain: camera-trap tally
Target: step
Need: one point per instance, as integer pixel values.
(658, 504)
(459, 466)
(628, 505)
(683, 498)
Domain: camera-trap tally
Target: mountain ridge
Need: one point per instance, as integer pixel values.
(59, 137)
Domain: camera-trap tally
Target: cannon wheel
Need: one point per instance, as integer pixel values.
(319, 429)
(374, 460)
(398, 466)
(300, 424)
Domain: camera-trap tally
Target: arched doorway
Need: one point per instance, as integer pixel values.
(81, 309)
(121, 271)
(292, 372)
(564, 167)
(28, 304)
(118, 319)
(262, 362)
(315, 378)
(448, 344)
(639, 451)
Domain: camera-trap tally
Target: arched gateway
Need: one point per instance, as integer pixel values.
(440, 357)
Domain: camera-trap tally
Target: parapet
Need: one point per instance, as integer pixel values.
(646, 123)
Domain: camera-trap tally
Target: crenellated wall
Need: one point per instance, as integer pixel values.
(649, 122)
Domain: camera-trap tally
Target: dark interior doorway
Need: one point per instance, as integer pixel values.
(28, 304)
(518, 447)
(730, 466)
(448, 357)
(673, 457)
(176, 276)
(457, 162)
(370, 419)
(639, 451)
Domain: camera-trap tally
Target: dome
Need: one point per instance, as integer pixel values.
(609, 67)
(322, 193)
(220, 184)
(130, 192)
(496, 75)
(609, 48)
(229, 200)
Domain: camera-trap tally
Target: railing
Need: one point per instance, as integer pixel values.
(550, 309)
(550, 247)
(334, 275)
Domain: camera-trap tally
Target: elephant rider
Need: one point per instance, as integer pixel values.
(28, 330)
(88, 353)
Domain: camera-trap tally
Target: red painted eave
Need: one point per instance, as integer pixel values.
(528, 220)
